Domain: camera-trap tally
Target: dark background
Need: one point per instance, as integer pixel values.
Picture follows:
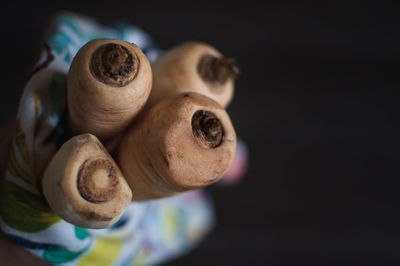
(316, 103)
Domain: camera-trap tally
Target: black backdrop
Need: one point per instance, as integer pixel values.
(316, 103)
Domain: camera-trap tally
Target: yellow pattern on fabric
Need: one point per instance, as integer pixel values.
(105, 252)
(142, 257)
(171, 223)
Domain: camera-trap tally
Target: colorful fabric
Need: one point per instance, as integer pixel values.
(148, 233)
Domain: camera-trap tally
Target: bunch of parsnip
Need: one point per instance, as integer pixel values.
(140, 131)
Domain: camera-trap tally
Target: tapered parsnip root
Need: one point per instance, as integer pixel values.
(108, 83)
(197, 67)
(83, 184)
(181, 143)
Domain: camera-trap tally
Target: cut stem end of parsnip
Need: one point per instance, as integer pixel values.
(207, 129)
(114, 65)
(97, 180)
(217, 69)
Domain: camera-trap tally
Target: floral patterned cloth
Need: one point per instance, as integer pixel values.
(148, 233)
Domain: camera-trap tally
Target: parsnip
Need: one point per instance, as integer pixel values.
(83, 184)
(183, 142)
(197, 67)
(108, 83)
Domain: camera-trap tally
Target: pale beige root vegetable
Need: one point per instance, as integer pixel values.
(197, 67)
(108, 83)
(183, 142)
(84, 185)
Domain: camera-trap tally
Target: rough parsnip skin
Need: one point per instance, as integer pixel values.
(183, 142)
(197, 67)
(108, 83)
(83, 184)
